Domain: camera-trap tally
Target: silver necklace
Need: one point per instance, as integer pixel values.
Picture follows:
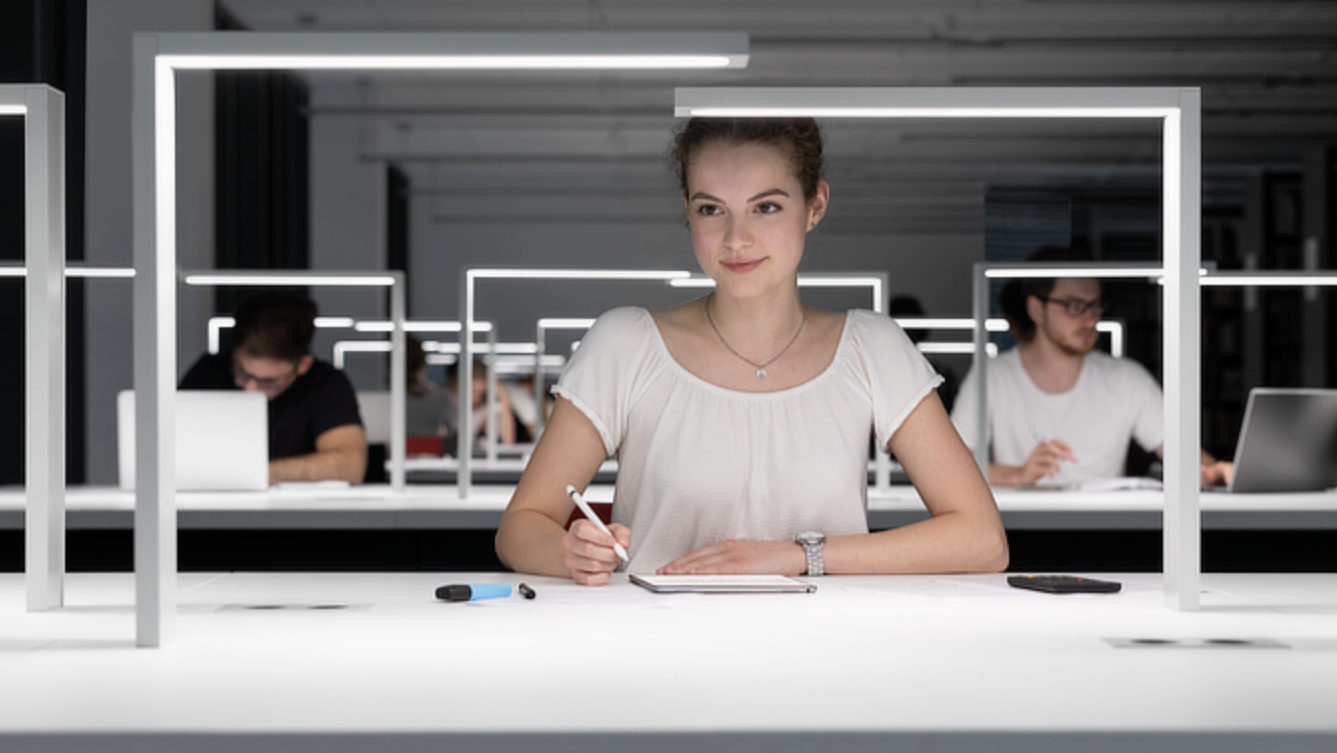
(760, 367)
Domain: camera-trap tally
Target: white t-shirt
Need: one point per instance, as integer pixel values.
(1114, 400)
(698, 463)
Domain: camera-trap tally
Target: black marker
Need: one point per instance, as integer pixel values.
(527, 592)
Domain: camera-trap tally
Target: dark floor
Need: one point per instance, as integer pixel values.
(469, 550)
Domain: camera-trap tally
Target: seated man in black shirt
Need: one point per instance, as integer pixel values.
(315, 430)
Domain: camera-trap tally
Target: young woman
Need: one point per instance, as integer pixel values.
(740, 420)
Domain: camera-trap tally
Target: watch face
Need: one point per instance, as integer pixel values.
(810, 537)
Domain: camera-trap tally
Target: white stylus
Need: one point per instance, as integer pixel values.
(585, 508)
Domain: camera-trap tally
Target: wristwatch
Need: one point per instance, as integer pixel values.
(812, 542)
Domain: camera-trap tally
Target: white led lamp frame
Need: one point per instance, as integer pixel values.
(43, 111)
(394, 280)
(156, 59)
(541, 329)
(343, 347)
(468, 302)
(986, 271)
(1179, 112)
(1112, 327)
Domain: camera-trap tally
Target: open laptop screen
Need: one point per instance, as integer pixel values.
(1288, 442)
(222, 440)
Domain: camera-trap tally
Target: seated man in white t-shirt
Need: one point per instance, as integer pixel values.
(1059, 409)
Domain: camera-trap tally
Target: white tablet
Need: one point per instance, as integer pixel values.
(722, 584)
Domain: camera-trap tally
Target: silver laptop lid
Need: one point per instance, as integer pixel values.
(1288, 442)
(222, 440)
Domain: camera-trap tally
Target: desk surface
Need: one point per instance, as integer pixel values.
(866, 663)
(438, 506)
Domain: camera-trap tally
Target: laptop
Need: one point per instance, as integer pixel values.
(1288, 442)
(222, 440)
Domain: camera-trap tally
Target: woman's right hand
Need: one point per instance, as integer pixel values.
(590, 557)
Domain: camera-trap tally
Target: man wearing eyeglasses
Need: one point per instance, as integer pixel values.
(1060, 410)
(315, 430)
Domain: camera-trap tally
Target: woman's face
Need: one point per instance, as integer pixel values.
(748, 217)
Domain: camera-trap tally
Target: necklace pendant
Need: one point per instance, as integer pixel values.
(761, 373)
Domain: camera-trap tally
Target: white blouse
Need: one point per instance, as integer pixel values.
(698, 463)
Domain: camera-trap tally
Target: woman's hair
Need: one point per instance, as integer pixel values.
(800, 139)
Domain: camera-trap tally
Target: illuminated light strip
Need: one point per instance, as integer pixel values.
(514, 349)
(551, 361)
(578, 274)
(1281, 280)
(955, 348)
(216, 326)
(446, 62)
(344, 347)
(1038, 272)
(559, 323)
(89, 272)
(925, 112)
(381, 325)
(383, 281)
(1111, 327)
(12, 109)
(953, 323)
(219, 323)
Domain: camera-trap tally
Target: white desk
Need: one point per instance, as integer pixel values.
(866, 663)
(438, 506)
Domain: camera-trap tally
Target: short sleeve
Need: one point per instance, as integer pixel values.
(336, 400)
(1149, 420)
(598, 378)
(899, 376)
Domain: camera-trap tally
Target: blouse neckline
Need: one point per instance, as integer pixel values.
(664, 353)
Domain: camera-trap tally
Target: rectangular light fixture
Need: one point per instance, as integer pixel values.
(1269, 280)
(12, 109)
(156, 58)
(456, 51)
(578, 274)
(560, 323)
(1037, 271)
(317, 279)
(94, 272)
(1179, 112)
(918, 102)
(381, 325)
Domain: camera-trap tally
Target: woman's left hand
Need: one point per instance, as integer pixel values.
(731, 557)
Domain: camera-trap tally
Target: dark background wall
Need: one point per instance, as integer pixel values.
(40, 42)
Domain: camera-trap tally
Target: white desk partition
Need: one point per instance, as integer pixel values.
(541, 330)
(43, 111)
(1112, 327)
(1179, 111)
(217, 324)
(157, 57)
(464, 450)
(394, 280)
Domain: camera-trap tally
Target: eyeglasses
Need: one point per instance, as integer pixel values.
(1077, 308)
(242, 376)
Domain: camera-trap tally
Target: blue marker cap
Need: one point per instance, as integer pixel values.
(473, 592)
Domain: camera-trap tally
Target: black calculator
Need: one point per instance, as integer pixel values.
(1064, 584)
